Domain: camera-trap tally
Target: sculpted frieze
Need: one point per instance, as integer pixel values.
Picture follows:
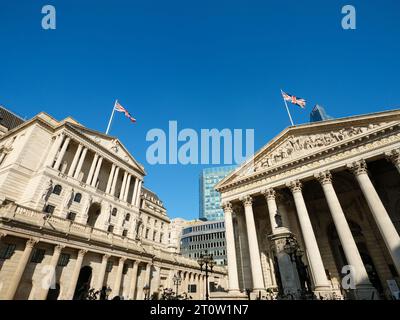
(335, 156)
(297, 146)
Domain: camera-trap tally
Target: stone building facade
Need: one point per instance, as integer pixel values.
(315, 199)
(74, 214)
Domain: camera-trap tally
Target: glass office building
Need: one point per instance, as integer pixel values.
(201, 236)
(318, 113)
(210, 207)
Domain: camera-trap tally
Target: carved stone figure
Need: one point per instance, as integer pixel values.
(47, 190)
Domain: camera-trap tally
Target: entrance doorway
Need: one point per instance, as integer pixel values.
(83, 284)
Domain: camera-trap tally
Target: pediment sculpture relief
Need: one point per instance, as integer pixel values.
(296, 146)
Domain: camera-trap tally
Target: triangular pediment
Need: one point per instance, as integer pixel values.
(111, 144)
(301, 141)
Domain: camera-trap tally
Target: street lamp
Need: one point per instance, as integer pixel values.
(177, 281)
(206, 260)
(146, 290)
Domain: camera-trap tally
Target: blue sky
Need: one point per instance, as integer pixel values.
(206, 64)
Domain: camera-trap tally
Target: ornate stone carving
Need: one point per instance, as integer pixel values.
(324, 177)
(247, 201)
(393, 156)
(301, 145)
(358, 167)
(227, 206)
(269, 194)
(294, 186)
(31, 242)
(47, 190)
(58, 247)
(82, 252)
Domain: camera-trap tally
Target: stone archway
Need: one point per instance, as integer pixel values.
(93, 214)
(83, 283)
(340, 258)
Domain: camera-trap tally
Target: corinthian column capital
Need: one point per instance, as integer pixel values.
(269, 194)
(324, 177)
(393, 156)
(31, 242)
(227, 206)
(247, 201)
(294, 186)
(82, 252)
(358, 167)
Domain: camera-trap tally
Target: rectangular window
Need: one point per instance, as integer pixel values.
(192, 288)
(38, 255)
(64, 259)
(7, 251)
(125, 233)
(109, 266)
(71, 216)
(125, 268)
(49, 209)
(110, 228)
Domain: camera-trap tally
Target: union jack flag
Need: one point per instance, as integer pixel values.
(293, 99)
(119, 108)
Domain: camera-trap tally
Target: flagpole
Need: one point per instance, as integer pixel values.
(111, 117)
(287, 109)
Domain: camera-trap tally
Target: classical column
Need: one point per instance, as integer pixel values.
(54, 148)
(147, 276)
(19, 270)
(394, 157)
(133, 201)
(157, 279)
(137, 203)
(114, 183)
(317, 267)
(123, 186)
(118, 277)
(381, 217)
(272, 208)
(96, 173)
(75, 274)
(80, 163)
(230, 249)
(363, 285)
(75, 160)
(278, 237)
(52, 267)
(128, 183)
(255, 260)
(92, 168)
(102, 272)
(110, 178)
(62, 153)
(133, 280)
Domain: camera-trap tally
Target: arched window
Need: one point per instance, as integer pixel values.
(57, 189)
(114, 211)
(78, 197)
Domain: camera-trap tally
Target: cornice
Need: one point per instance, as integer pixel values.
(359, 141)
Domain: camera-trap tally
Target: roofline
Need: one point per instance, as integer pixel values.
(13, 113)
(298, 127)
